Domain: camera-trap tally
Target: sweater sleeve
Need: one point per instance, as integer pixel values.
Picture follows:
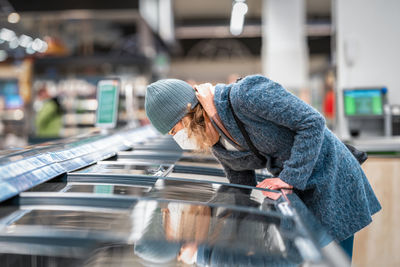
(243, 177)
(246, 177)
(259, 96)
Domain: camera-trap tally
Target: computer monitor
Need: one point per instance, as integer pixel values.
(364, 102)
(9, 91)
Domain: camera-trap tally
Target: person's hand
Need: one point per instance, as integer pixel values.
(272, 195)
(274, 184)
(205, 95)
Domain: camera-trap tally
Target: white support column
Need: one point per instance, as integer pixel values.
(284, 51)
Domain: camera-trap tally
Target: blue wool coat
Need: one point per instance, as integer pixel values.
(299, 149)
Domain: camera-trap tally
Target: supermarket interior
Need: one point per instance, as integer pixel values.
(97, 98)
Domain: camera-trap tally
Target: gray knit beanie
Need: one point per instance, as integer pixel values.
(166, 103)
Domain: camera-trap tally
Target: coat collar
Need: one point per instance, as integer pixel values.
(236, 160)
(224, 112)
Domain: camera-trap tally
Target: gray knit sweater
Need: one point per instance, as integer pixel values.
(299, 149)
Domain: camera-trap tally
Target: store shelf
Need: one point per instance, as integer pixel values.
(97, 60)
(79, 119)
(12, 115)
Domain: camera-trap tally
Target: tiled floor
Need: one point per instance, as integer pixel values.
(379, 243)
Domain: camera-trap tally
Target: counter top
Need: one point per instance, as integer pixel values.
(377, 144)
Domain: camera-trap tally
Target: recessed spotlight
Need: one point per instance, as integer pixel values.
(13, 17)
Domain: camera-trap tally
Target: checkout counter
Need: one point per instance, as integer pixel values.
(134, 198)
(373, 124)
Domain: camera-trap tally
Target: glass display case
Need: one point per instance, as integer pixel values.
(142, 207)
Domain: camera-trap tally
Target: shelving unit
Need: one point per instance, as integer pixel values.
(78, 99)
(74, 79)
(14, 101)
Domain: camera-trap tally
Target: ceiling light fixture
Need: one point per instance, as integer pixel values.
(14, 43)
(6, 34)
(13, 17)
(239, 10)
(30, 51)
(25, 40)
(39, 45)
(31, 46)
(44, 48)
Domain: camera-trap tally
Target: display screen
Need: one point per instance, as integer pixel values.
(107, 97)
(9, 91)
(368, 102)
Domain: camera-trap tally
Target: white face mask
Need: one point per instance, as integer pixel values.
(183, 140)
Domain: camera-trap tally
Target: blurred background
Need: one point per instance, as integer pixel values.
(340, 56)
